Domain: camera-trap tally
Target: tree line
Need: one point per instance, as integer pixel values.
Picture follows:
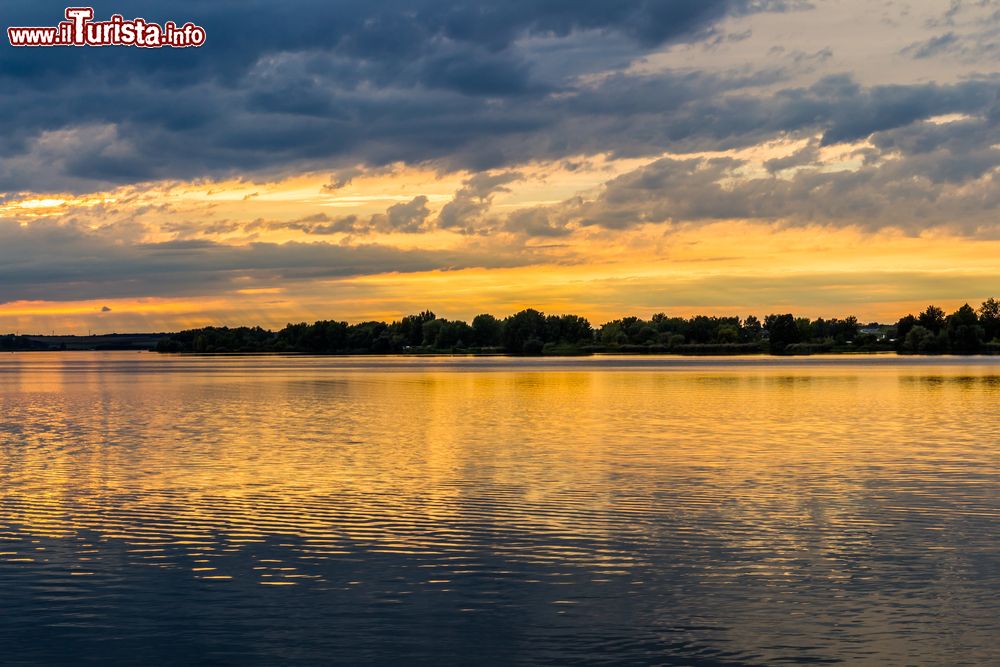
(14, 343)
(966, 331)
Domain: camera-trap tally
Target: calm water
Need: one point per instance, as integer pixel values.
(241, 511)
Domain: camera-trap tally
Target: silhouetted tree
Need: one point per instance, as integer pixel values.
(989, 319)
(487, 331)
(965, 336)
(524, 327)
(611, 333)
(844, 330)
(574, 329)
(411, 327)
(903, 328)
(932, 319)
(447, 335)
(920, 339)
(782, 331)
(751, 330)
(727, 333)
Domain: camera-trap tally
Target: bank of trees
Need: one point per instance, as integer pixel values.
(529, 332)
(966, 331)
(13, 343)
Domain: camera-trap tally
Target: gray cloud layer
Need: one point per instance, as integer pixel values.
(920, 175)
(64, 262)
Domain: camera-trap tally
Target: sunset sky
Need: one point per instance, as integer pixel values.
(346, 159)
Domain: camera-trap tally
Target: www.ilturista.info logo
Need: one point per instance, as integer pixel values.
(79, 29)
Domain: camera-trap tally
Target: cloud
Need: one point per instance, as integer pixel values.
(408, 218)
(310, 84)
(467, 210)
(471, 86)
(537, 221)
(342, 179)
(360, 86)
(807, 155)
(932, 47)
(920, 176)
(320, 224)
(64, 262)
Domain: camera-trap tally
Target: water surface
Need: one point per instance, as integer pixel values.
(619, 510)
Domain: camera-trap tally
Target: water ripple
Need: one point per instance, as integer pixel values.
(273, 510)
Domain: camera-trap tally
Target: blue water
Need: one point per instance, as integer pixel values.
(277, 510)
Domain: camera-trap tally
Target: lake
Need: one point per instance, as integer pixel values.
(163, 510)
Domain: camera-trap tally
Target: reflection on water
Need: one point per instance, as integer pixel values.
(265, 510)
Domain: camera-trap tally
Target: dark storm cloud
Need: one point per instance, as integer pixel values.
(283, 85)
(335, 84)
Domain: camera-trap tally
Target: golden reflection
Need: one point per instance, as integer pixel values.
(159, 454)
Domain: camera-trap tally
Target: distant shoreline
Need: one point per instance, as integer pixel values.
(506, 355)
(966, 332)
